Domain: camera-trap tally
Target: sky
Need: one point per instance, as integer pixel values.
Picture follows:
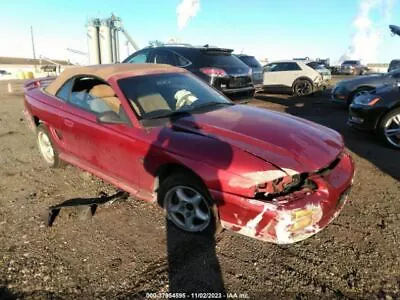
(272, 29)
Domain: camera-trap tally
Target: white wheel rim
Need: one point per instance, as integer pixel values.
(45, 147)
(392, 130)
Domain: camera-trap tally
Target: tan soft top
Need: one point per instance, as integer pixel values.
(106, 71)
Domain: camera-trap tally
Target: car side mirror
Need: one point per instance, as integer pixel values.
(109, 117)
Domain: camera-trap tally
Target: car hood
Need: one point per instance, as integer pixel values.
(362, 79)
(287, 142)
(385, 89)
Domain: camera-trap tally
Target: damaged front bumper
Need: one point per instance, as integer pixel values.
(293, 217)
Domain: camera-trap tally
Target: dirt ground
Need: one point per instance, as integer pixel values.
(127, 249)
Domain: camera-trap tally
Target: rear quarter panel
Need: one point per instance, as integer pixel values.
(45, 108)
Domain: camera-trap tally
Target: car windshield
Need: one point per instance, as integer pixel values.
(250, 61)
(394, 64)
(394, 73)
(165, 95)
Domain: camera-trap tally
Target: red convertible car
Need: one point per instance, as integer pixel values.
(162, 134)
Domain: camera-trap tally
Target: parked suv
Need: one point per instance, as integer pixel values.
(352, 67)
(216, 66)
(256, 68)
(291, 76)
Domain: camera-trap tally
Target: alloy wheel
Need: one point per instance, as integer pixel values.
(45, 147)
(187, 209)
(303, 88)
(392, 130)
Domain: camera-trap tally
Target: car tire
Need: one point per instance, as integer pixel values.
(188, 205)
(47, 149)
(302, 87)
(389, 122)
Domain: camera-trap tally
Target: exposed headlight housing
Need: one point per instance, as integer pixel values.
(367, 101)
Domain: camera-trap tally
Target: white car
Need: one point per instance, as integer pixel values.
(291, 76)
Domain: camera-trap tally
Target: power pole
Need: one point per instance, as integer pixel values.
(33, 49)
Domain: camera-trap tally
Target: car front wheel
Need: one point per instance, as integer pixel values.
(186, 203)
(389, 128)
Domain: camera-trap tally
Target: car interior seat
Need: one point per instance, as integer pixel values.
(153, 102)
(104, 99)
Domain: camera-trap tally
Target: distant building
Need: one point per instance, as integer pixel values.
(19, 64)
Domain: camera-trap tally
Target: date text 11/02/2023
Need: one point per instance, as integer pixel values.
(197, 295)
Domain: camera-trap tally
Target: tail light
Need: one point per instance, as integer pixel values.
(30, 85)
(214, 72)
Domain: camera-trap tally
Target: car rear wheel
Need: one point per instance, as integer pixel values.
(47, 149)
(389, 128)
(187, 203)
(302, 87)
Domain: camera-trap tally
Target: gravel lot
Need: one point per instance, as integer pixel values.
(127, 249)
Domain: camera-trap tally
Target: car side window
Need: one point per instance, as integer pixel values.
(65, 91)
(164, 57)
(140, 57)
(95, 96)
(181, 61)
(290, 66)
(271, 68)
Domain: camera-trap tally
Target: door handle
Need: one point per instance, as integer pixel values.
(68, 123)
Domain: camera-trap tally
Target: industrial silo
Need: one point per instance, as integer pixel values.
(106, 51)
(115, 44)
(93, 42)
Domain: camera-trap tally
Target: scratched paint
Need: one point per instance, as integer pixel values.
(283, 223)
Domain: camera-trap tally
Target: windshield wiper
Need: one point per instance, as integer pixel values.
(170, 114)
(180, 113)
(208, 104)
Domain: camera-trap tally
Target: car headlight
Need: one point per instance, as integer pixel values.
(367, 101)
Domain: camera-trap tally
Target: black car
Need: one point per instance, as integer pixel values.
(345, 91)
(256, 68)
(379, 111)
(216, 66)
(394, 64)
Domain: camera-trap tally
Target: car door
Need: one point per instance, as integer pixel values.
(288, 73)
(55, 119)
(107, 148)
(269, 77)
